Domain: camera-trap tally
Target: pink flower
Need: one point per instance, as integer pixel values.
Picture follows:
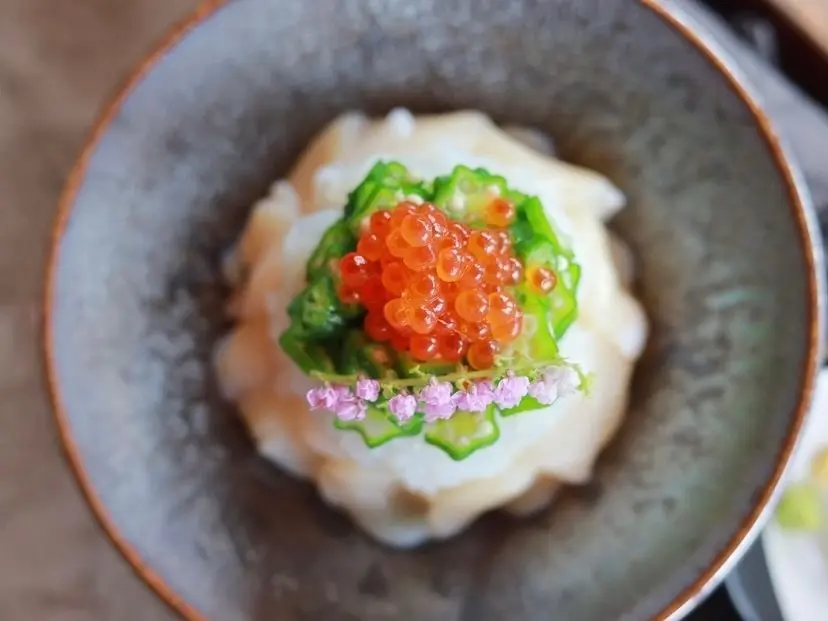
(545, 392)
(402, 406)
(350, 409)
(437, 401)
(510, 390)
(339, 400)
(323, 398)
(436, 392)
(477, 398)
(566, 378)
(556, 382)
(368, 389)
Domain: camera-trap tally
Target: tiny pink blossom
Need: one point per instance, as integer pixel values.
(323, 398)
(342, 392)
(438, 411)
(510, 390)
(476, 398)
(556, 382)
(543, 391)
(402, 406)
(368, 389)
(565, 379)
(436, 392)
(570, 382)
(437, 401)
(350, 409)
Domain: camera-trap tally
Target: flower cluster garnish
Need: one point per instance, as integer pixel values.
(438, 399)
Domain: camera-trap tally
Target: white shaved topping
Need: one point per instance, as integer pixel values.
(401, 121)
(284, 198)
(457, 203)
(327, 175)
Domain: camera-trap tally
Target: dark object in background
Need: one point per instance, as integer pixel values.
(718, 607)
(802, 59)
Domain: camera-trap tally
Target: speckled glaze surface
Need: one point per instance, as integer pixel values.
(134, 305)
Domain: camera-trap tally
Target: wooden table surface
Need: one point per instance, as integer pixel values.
(58, 60)
(810, 16)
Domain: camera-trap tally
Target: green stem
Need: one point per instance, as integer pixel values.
(410, 382)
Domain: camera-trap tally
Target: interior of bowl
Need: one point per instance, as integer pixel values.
(137, 305)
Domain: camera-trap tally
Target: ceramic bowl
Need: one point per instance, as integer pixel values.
(727, 268)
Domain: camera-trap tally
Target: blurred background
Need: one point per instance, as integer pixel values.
(59, 60)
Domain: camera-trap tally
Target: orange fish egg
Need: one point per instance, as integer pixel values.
(372, 293)
(472, 305)
(395, 278)
(500, 212)
(377, 327)
(399, 213)
(502, 308)
(439, 221)
(508, 331)
(451, 264)
(353, 269)
(476, 331)
(492, 274)
(387, 258)
(459, 231)
(416, 230)
(395, 243)
(371, 246)
(424, 347)
(438, 304)
(425, 285)
(504, 269)
(504, 242)
(420, 258)
(347, 294)
(482, 354)
(453, 347)
(380, 223)
(473, 277)
(396, 313)
(400, 341)
(542, 279)
(446, 324)
(514, 273)
(451, 290)
(421, 319)
(482, 244)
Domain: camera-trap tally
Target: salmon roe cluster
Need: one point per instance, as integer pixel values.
(436, 288)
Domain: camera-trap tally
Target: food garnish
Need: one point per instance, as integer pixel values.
(801, 507)
(434, 308)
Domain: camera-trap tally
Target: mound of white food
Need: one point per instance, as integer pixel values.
(406, 492)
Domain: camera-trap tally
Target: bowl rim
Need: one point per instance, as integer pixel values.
(802, 211)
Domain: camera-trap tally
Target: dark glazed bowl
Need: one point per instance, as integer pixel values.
(728, 274)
